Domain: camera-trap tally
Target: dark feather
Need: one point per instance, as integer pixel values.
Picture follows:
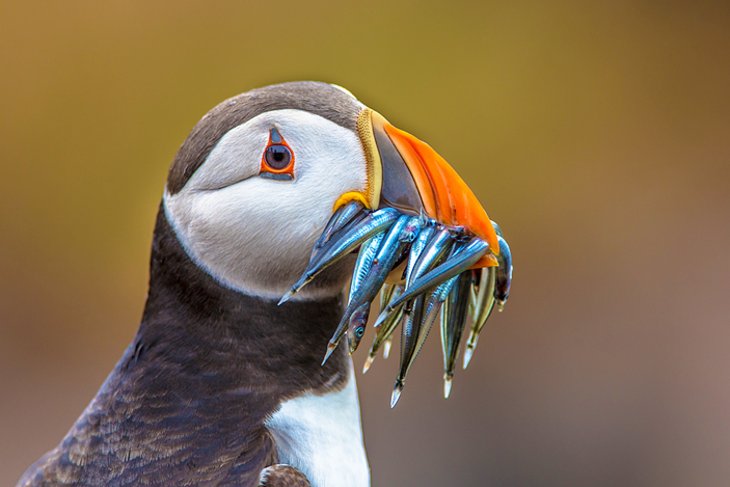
(186, 404)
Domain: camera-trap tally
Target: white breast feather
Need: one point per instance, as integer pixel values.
(322, 437)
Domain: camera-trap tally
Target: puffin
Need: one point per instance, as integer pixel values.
(223, 383)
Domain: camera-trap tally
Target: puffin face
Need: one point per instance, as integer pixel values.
(252, 187)
(251, 212)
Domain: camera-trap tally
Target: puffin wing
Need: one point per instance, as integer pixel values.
(136, 430)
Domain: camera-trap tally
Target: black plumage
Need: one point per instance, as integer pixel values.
(186, 404)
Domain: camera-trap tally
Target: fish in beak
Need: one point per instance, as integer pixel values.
(417, 227)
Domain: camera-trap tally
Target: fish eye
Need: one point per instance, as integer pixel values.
(359, 331)
(278, 156)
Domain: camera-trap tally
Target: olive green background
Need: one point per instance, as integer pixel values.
(596, 133)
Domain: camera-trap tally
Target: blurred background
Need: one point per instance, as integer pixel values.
(596, 133)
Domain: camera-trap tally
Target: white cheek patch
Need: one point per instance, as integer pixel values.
(255, 234)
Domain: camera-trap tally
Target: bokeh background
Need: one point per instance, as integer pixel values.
(596, 133)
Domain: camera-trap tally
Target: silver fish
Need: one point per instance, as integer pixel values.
(437, 298)
(418, 325)
(453, 319)
(409, 336)
(482, 309)
(417, 247)
(389, 252)
(387, 311)
(432, 253)
(363, 265)
(385, 259)
(384, 335)
(428, 249)
(356, 327)
(386, 292)
(459, 261)
(337, 222)
(412, 229)
(504, 274)
(347, 240)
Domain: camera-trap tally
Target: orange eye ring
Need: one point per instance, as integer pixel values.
(277, 161)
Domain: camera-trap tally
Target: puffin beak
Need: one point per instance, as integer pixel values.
(418, 226)
(407, 174)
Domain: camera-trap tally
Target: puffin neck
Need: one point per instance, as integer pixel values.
(245, 341)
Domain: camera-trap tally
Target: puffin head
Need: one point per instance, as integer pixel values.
(257, 179)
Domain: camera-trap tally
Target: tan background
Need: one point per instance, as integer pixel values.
(597, 134)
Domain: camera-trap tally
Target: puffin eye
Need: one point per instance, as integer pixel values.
(278, 159)
(278, 156)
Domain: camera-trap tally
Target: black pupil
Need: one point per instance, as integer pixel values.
(278, 156)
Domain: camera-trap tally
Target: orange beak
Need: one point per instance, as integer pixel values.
(414, 178)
